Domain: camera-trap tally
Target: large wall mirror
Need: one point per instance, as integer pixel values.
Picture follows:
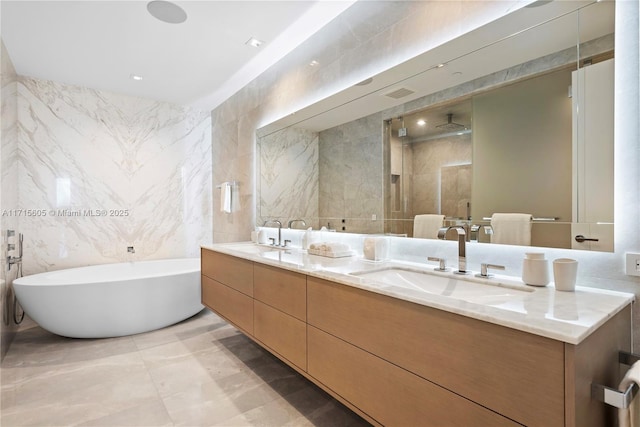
(514, 117)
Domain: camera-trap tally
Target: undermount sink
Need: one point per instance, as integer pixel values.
(464, 288)
(253, 248)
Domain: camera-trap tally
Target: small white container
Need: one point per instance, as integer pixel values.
(375, 248)
(565, 272)
(535, 269)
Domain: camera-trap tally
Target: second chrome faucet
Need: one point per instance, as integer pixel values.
(462, 250)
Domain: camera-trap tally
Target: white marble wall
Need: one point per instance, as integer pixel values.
(145, 166)
(8, 191)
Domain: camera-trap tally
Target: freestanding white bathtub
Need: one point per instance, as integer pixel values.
(112, 300)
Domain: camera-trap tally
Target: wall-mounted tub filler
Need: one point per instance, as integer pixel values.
(131, 250)
(11, 248)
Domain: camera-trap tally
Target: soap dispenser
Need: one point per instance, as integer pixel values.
(535, 269)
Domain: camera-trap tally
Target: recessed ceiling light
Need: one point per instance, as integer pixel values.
(167, 12)
(421, 122)
(314, 63)
(254, 42)
(135, 77)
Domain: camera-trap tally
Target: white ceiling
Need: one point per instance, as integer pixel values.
(201, 62)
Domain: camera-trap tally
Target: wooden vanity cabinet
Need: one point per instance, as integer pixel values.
(518, 375)
(399, 363)
(227, 288)
(280, 312)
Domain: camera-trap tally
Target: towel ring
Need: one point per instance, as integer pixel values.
(613, 397)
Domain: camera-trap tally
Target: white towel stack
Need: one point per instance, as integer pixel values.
(330, 249)
(426, 226)
(511, 228)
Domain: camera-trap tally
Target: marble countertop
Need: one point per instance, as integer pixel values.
(565, 316)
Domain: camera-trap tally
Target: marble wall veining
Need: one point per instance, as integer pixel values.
(102, 171)
(8, 192)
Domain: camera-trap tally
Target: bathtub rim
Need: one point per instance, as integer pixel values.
(37, 278)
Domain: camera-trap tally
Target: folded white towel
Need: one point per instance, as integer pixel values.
(426, 226)
(630, 417)
(511, 228)
(225, 197)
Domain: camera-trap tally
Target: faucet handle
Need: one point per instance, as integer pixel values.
(286, 242)
(484, 269)
(443, 263)
(273, 241)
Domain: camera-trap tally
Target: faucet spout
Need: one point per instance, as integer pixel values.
(462, 246)
(275, 221)
(304, 224)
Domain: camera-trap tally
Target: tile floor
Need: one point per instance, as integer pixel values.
(201, 372)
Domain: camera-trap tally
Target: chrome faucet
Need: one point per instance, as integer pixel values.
(304, 224)
(275, 221)
(462, 241)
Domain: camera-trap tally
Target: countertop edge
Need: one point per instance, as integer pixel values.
(470, 310)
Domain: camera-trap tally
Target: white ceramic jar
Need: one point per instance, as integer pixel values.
(535, 269)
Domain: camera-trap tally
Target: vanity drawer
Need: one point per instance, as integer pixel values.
(284, 334)
(281, 289)
(229, 270)
(234, 306)
(389, 394)
(516, 374)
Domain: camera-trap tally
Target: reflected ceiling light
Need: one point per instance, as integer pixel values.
(440, 65)
(364, 82)
(135, 77)
(166, 12)
(254, 42)
(314, 63)
(538, 3)
(421, 122)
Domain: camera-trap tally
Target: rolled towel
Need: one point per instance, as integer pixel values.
(630, 417)
(338, 247)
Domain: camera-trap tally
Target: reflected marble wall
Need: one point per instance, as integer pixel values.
(351, 173)
(288, 176)
(430, 161)
(102, 171)
(8, 191)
